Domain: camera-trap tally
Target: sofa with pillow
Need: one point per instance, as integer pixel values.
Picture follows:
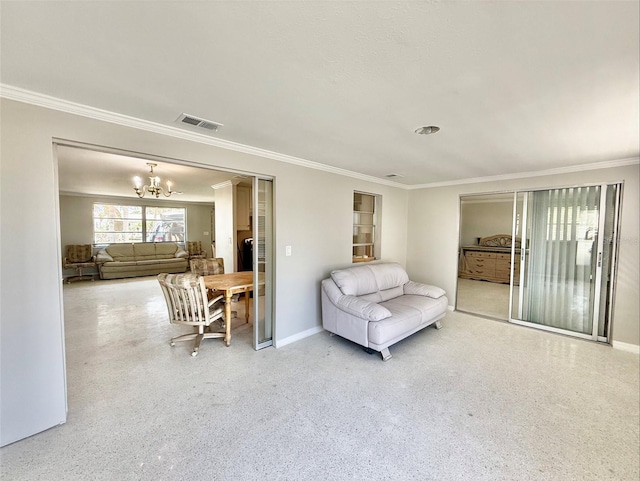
(141, 259)
(377, 305)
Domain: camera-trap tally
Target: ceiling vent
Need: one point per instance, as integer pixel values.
(198, 122)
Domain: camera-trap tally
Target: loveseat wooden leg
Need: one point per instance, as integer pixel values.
(437, 325)
(386, 355)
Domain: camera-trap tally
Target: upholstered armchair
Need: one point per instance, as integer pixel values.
(210, 267)
(78, 257)
(207, 267)
(195, 250)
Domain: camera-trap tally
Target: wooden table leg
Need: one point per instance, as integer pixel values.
(246, 305)
(227, 316)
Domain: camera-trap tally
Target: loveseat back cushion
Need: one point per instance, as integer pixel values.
(144, 251)
(384, 295)
(367, 280)
(121, 252)
(388, 276)
(166, 251)
(355, 281)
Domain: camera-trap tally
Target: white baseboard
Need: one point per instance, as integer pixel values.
(297, 337)
(623, 346)
(451, 308)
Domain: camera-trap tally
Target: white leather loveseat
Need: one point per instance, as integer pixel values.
(377, 305)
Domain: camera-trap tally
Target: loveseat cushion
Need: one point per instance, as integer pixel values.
(159, 262)
(403, 319)
(144, 251)
(408, 313)
(363, 280)
(428, 308)
(121, 252)
(165, 251)
(383, 295)
(363, 309)
(419, 289)
(119, 264)
(355, 281)
(389, 275)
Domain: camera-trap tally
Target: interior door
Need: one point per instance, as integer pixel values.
(566, 271)
(262, 263)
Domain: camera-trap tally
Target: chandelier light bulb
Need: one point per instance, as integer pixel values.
(154, 187)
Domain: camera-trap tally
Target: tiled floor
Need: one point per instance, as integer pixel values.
(476, 400)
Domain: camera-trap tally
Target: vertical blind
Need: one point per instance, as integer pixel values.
(562, 228)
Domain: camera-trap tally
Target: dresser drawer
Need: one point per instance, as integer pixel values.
(481, 266)
(480, 255)
(489, 266)
(503, 273)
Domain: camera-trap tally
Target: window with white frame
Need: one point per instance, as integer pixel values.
(114, 223)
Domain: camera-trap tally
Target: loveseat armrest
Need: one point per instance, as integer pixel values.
(369, 311)
(103, 257)
(426, 290)
(366, 310)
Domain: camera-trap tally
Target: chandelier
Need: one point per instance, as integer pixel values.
(154, 187)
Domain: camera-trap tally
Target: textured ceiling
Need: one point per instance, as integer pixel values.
(514, 86)
(89, 172)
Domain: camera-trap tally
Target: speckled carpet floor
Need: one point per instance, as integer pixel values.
(477, 400)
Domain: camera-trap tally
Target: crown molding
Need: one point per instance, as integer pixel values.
(27, 96)
(466, 200)
(537, 173)
(128, 200)
(222, 185)
(34, 98)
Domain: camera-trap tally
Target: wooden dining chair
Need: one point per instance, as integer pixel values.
(187, 304)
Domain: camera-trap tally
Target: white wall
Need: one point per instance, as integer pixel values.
(312, 213)
(433, 236)
(225, 228)
(482, 219)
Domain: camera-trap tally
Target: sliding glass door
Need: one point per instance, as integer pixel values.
(567, 259)
(262, 263)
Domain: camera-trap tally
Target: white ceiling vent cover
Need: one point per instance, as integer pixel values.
(198, 122)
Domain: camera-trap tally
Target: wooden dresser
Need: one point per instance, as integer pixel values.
(488, 263)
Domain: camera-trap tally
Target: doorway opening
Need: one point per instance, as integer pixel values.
(90, 174)
(483, 276)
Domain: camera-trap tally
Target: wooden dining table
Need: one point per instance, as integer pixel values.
(230, 284)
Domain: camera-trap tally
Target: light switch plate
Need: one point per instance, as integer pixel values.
(287, 251)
